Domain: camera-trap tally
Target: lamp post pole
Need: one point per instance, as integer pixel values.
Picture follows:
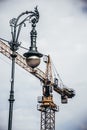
(11, 97)
(16, 26)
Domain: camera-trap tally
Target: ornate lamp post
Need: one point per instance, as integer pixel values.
(32, 56)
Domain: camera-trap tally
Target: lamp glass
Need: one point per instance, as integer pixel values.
(33, 61)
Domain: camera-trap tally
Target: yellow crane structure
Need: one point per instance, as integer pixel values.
(46, 105)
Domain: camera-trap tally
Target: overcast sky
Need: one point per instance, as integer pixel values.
(62, 33)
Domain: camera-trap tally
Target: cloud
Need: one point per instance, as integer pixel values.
(3, 1)
(76, 123)
(4, 121)
(81, 5)
(61, 33)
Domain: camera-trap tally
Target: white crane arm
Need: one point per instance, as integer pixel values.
(21, 61)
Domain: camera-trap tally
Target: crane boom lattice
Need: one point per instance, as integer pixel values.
(21, 61)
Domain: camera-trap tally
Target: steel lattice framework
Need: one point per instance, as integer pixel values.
(48, 119)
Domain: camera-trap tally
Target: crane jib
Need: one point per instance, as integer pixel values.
(21, 61)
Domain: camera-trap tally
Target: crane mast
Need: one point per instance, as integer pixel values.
(46, 105)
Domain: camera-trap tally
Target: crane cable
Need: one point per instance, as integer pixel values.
(57, 74)
(19, 46)
(22, 47)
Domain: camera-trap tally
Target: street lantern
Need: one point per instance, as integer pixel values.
(33, 56)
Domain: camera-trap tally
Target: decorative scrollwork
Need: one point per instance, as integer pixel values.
(34, 17)
(12, 22)
(17, 23)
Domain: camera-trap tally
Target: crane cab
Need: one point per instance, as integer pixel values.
(47, 90)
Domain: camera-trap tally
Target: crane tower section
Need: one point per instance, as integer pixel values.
(46, 105)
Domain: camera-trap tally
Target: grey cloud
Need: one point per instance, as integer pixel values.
(82, 4)
(77, 123)
(1, 0)
(62, 30)
(4, 1)
(2, 128)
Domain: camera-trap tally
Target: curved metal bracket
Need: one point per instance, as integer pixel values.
(16, 25)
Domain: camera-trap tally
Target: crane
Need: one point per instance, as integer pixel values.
(50, 83)
(46, 105)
